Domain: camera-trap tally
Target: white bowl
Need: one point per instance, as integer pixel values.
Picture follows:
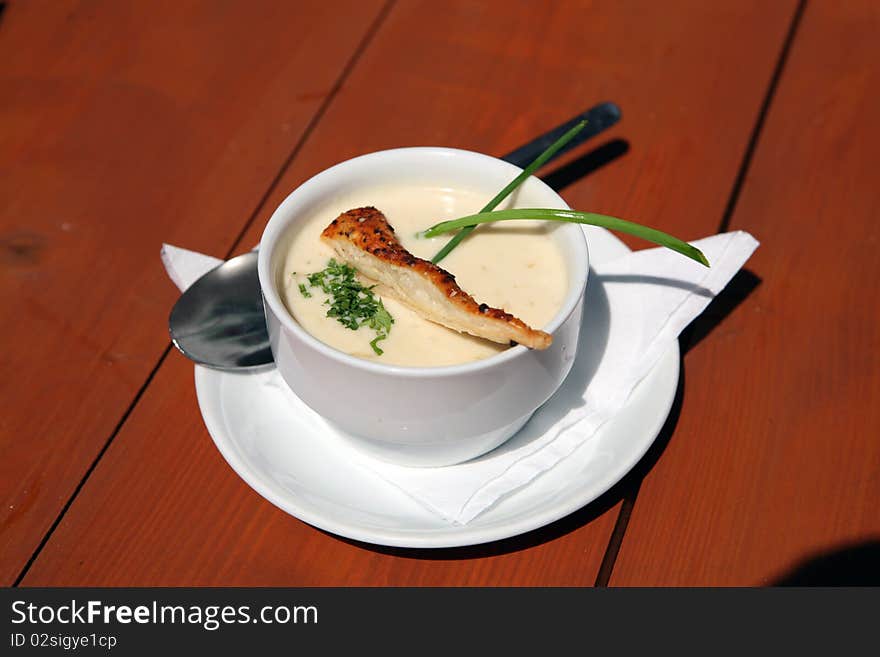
(424, 416)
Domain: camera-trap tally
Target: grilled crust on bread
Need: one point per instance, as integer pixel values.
(363, 238)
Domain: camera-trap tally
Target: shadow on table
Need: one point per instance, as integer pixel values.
(560, 178)
(854, 565)
(737, 290)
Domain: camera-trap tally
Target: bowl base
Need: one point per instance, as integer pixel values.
(428, 455)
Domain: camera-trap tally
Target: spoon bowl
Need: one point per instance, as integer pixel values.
(219, 320)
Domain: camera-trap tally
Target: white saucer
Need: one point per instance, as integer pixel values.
(286, 453)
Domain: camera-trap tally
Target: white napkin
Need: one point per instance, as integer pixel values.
(639, 302)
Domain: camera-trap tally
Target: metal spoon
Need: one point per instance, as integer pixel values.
(219, 322)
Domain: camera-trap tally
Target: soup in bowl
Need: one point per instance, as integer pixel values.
(420, 393)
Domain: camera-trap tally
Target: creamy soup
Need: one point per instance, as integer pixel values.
(517, 266)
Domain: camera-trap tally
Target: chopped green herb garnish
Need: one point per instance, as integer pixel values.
(351, 303)
(374, 343)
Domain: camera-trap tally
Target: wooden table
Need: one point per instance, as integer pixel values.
(125, 125)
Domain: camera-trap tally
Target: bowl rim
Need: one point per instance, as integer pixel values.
(277, 224)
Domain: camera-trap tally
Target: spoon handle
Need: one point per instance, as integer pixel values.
(599, 118)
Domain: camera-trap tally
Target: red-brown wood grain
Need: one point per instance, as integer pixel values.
(775, 464)
(163, 508)
(124, 125)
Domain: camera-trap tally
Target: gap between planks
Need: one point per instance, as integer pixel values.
(310, 127)
(631, 495)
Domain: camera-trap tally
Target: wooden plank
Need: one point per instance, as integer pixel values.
(124, 125)
(163, 508)
(772, 475)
